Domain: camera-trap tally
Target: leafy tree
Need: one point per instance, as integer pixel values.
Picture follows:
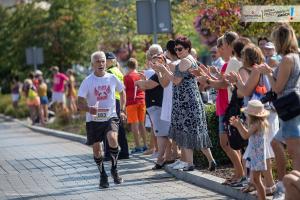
(70, 32)
(216, 17)
(66, 32)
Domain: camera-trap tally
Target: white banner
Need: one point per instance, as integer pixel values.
(273, 13)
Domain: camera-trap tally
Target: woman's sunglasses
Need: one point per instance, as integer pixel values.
(178, 49)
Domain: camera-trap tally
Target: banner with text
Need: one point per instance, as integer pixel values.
(273, 13)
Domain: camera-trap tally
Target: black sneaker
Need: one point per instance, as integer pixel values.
(103, 182)
(212, 166)
(116, 177)
(158, 166)
(121, 157)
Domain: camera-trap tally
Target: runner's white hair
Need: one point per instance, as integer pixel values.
(100, 54)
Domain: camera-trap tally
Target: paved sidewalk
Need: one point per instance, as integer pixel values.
(37, 166)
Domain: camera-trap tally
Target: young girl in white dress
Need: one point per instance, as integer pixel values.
(256, 132)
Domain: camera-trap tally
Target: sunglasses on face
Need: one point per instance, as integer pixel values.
(178, 49)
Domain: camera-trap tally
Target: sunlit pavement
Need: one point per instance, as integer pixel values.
(37, 166)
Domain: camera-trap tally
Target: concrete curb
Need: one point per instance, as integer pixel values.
(195, 177)
(204, 180)
(210, 182)
(47, 131)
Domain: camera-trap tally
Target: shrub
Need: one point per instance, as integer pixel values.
(63, 117)
(218, 153)
(5, 100)
(10, 111)
(7, 108)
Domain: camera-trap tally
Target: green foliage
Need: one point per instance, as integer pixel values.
(219, 24)
(7, 108)
(218, 153)
(66, 32)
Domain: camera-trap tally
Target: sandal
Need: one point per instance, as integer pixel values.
(248, 188)
(228, 181)
(158, 166)
(270, 190)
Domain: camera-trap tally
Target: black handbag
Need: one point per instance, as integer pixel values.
(288, 106)
(235, 139)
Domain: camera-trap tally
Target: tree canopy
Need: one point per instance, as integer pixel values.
(70, 30)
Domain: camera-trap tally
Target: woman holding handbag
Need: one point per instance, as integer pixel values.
(251, 84)
(285, 82)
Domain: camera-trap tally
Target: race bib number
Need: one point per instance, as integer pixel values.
(103, 114)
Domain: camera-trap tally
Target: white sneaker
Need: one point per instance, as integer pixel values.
(181, 165)
(174, 164)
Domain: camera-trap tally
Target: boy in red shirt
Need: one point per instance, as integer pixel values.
(135, 105)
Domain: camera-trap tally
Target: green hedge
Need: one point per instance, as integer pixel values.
(218, 153)
(7, 108)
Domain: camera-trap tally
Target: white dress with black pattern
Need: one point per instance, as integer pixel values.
(188, 121)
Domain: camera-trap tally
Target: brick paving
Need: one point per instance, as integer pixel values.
(37, 166)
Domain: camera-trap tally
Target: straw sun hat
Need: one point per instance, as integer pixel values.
(255, 108)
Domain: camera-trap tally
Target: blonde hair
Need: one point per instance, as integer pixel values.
(285, 39)
(262, 122)
(252, 54)
(132, 63)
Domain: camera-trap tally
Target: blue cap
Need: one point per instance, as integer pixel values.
(110, 55)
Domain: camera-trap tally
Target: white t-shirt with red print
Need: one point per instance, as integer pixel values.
(100, 92)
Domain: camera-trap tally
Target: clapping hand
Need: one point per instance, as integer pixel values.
(196, 72)
(264, 68)
(142, 76)
(202, 80)
(214, 70)
(202, 70)
(235, 121)
(231, 78)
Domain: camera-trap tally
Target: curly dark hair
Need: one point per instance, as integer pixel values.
(184, 41)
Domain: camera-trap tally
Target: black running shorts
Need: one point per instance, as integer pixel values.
(96, 131)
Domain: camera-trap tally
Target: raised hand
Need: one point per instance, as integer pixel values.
(264, 68)
(214, 70)
(204, 69)
(142, 76)
(196, 71)
(235, 121)
(232, 77)
(202, 80)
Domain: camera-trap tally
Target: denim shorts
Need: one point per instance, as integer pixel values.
(221, 125)
(44, 100)
(288, 129)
